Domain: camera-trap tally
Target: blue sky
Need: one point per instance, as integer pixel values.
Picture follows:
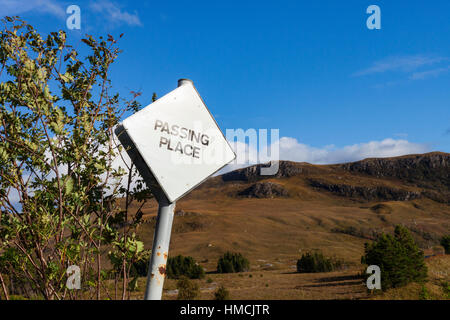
(336, 90)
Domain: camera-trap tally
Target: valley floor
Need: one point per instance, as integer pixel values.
(286, 284)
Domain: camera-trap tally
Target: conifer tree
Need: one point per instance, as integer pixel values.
(399, 258)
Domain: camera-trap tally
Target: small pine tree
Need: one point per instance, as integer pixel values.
(398, 257)
(187, 290)
(225, 266)
(184, 266)
(311, 262)
(221, 294)
(445, 242)
(232, 262)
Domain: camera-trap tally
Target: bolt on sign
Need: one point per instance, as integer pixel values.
(175, 142)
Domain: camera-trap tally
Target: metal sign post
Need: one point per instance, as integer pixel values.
(161, 241)
(175, 144)
(160, 250)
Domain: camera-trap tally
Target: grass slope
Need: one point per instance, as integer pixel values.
(272, 232)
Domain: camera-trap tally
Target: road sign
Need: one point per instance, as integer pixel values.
(179, 140)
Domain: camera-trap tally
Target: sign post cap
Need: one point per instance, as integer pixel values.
(182, 82)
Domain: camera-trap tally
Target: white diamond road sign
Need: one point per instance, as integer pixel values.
(179, 141)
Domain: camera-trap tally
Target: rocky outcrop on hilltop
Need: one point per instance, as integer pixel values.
(396, 179)
(264, 190)
(430, 170)
(286, 169)
(368, 193)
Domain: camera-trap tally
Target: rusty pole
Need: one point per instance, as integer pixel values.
(160, 250)
(161, 241)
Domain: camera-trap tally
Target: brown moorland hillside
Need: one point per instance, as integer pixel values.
(334, 208)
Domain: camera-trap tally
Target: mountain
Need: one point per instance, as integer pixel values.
(334, 208)
(337, 208)
(383, 179)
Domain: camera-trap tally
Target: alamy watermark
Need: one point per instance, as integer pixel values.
(374, 20)
(373, 281)
(73, 21)
(73, 277)
(257, 148)
(199, 146)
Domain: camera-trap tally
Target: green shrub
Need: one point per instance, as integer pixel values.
(221, 294)
(133, 284)
(232, 262)
(139, 268)
(445, 242)
(187, 290)
(398, 257)
(184, 266)
(424, 294)
(312, 262)
(446, 289)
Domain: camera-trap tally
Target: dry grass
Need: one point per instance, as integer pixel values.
(438, 274)
(286, 284)
(272, 234)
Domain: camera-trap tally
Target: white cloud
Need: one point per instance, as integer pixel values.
(429, 73)
(400, 63)
(292, 150)
(114, 13)
(19, 7)
(109, 10)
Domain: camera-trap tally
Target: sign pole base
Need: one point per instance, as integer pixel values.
(160, 250)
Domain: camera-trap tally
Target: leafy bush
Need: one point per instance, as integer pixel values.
(398, 257)
(445, 242)
(312, 262)
(139, 268)
(184, 266)
(232, 262)
(221, 294)
(446, 289)
(58, 155)
(187, 290)
(424, 294)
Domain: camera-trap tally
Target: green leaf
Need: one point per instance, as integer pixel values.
(69, 185)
